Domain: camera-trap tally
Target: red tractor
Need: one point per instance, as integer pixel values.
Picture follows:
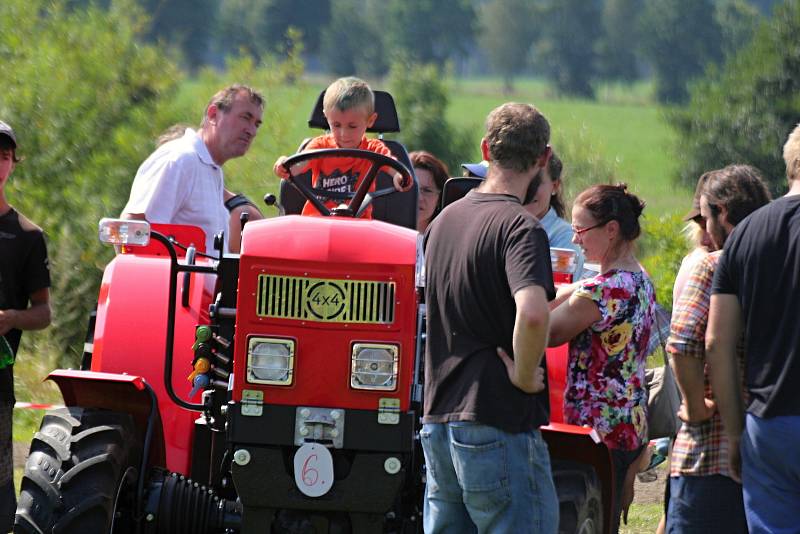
(278, 390)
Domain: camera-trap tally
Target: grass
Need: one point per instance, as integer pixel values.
(631, 136)
(623, 127)
(642, 518)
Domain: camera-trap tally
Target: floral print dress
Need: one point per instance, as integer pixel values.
(605, 378)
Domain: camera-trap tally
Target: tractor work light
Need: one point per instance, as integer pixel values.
(374, 366)
(270, 361)
(124, 232)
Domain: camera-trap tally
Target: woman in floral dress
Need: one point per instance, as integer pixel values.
(607, 320)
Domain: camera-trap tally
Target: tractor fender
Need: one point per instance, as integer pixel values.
(130, 337)
(583, 445)
(121, 393)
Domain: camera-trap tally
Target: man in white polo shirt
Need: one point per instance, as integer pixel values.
(182, 181)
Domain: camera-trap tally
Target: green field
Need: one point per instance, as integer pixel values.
(626, 133)
(623, 131)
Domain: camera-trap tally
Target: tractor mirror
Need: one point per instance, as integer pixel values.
(124, 232)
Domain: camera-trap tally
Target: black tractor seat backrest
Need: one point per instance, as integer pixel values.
(386, 122)
(456, 188)
(398, 208)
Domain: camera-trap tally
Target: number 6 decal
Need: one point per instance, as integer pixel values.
(309, 475)
(313, 469)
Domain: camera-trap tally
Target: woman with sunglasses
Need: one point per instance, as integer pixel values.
(607, 320)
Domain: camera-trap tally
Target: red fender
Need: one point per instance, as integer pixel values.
(130, 336)
(117, 392)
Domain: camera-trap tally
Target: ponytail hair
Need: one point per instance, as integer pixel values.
(614, 203)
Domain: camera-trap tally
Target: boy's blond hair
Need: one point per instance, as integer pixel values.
(791, 154)
(348, 93)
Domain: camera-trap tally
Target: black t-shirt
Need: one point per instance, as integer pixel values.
(760, 264)
(23, 271)
(478, 252)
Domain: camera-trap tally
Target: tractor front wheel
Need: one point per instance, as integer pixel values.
(580, 500)
(81, 474)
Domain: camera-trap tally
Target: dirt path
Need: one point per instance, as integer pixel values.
(651, 492)
(20, 453)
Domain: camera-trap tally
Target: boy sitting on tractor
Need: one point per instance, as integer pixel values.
(349, 107)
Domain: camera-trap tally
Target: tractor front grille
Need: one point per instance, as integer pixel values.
(325, 300)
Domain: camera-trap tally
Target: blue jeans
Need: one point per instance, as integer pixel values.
(706, 505)
(771, 473)
(481, 479)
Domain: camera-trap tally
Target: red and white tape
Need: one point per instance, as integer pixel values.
(36, 406)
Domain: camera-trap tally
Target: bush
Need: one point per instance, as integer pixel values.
(421, 98)
(80, 90)
(583, 165)
(87, 100)
(661, 249)
(744, 112)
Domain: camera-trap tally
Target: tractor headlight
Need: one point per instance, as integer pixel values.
(270, 361)
(374, 366)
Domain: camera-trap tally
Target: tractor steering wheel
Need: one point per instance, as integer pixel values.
(362, 197)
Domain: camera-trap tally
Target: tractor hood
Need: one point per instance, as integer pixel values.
(328, 240)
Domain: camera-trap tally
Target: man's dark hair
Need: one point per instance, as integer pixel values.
(740, 188)
(554, 168)
(6, 144)
(517, 135)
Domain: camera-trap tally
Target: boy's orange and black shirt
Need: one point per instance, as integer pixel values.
(341, 175)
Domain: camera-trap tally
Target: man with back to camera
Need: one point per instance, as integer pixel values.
(182, 181)
(488, 280)
(755, 292)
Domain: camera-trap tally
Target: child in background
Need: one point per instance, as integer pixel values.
(349, 107)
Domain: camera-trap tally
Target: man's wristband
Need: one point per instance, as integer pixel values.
(237, 200)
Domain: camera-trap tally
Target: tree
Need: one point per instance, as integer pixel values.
(82, 92)
(618, 46)
(743, 112)
(421, 98)
(679, 39)
(507, 35)
(429, 31)
(738, 20)
(182, 23)
(566, 48)
(352, 43)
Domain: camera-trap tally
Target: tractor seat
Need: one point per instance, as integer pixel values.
(397, 208)
(455, 188)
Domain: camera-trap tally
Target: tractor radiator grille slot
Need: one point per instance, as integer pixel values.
(325, 300)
